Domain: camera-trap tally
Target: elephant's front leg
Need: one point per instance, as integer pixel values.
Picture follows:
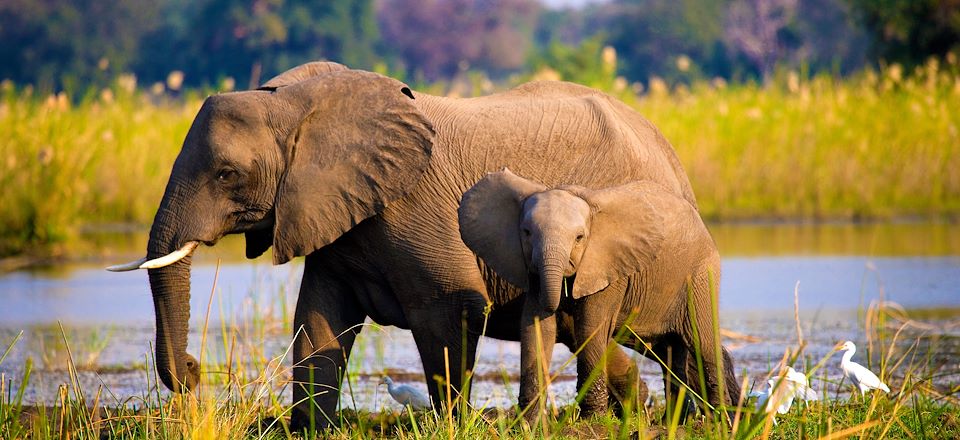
(326, 323)
(538, 334)
(594, 319)
(624, 386)
(592, 374)
(593, 336)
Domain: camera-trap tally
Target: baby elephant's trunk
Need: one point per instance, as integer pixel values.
(551, 278)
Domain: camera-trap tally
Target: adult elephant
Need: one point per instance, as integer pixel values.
(364, 177)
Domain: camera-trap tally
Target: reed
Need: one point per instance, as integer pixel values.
(880, 144)
(877, 145)
(63, 165)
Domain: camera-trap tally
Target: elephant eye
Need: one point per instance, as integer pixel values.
(579, 238)
(226, 175)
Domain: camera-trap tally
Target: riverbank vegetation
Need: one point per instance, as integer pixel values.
(878, 145)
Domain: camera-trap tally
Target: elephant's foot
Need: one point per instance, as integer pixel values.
(624, 401)
(533, 410)
(535, 413)
(591, 410)
(626, 390)
(595, 400)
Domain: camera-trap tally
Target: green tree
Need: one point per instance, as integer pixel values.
(252, 40)
(909, 31)
(437, 38)
(828, 37)
(71, 44)
(650, 36)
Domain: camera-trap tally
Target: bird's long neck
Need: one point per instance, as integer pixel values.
(847, 355)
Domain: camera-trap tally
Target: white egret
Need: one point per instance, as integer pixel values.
(773, 400)
(779, 398)
(406, 395)
(859, 375)
(800, 384)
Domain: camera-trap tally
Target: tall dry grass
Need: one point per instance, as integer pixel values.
(64, 165)
(877, 145)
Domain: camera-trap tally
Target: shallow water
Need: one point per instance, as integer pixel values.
(841, 268)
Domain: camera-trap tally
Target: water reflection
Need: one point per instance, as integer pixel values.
(912, 239)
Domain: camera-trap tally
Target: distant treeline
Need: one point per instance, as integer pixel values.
(77, 45)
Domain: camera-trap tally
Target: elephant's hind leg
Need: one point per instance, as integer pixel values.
(672, 357)
(709, 365)
(446, 337)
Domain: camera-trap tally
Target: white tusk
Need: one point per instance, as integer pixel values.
(126, 267)
(171, 258)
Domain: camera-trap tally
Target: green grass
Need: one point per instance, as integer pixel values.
(246, 405)
(876, 145)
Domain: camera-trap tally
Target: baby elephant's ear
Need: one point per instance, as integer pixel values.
(489, 216)
(626, 234)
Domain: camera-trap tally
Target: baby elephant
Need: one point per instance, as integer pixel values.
(633, 262)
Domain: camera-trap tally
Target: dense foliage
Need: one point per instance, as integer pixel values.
(797, 148)
(908, 31)
(75, 45)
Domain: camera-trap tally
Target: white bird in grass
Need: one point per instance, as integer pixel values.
(861, 377)
(800, 384)
(772, 400)
(794, 385)
(406, 395)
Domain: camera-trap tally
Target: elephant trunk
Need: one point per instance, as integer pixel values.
(553, 262)
(170, 286)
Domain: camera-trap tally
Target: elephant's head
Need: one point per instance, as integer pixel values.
(528, 233)
(293, 165)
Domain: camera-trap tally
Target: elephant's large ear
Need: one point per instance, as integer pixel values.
(362, 145)
(489, 217)
(301, 73)
(626, 233)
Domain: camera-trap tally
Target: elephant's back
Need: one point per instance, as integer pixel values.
(546, 89)
(556, 133)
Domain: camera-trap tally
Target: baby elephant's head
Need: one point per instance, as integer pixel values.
(554, 226)
(533, 236)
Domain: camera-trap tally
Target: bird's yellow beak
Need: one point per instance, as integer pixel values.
(839, 346)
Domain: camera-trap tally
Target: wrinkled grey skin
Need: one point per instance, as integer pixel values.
(628, 255)
(364, 177)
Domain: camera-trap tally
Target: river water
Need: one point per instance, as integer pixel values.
(841, 268)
